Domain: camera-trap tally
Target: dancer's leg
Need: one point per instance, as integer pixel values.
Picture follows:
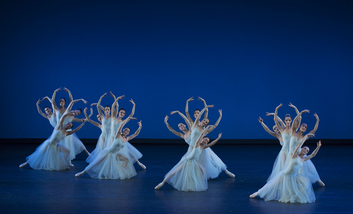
(321, 183)
(124, 159)
(66, 152)
(140, 164)
(176, 170)
(229, 173)
(254, 195)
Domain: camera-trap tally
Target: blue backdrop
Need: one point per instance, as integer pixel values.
(245, 57)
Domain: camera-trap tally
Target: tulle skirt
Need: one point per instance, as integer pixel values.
(48, 157)
(308, 170)
(189, 176)
(133, 153)
(212, 163)
(97, 150)
(288, 189)
(73, 144)
(108, 166)
(279, 165)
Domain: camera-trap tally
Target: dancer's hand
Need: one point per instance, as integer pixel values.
(220, 111)
(220, 135)
(104, 94)
(319, 143)
(317, 116)
(173, 112)
(306, 111)
(65, 89)
(190, 99)
(166, 118)
(39, 101)
(279, 106)
(84, 101)
(201, 99)
(140, 123)
(121, 97)
(132, 101)
(269, 114)
(260, 120)
(59, 89)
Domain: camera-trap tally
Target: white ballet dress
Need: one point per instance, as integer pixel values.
(53, 121)
(188, 174)
(72, 142)
(288, 186)
(48, 156)
(108, 166)
(281, 158)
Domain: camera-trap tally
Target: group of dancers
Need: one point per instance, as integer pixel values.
(293, 172)
(290, 181)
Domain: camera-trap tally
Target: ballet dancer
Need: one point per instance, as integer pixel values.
(110, 163)
(189, 174)
(48, 112)
(289, 186)
(196, 112)
(51, 155)
(72, 142)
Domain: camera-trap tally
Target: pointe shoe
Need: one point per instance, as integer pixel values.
(71, 164)
(321, 183)
(22, 165)
(253, 195)
(79, 174)
(141, 165)
(229, 173)
(159, 185)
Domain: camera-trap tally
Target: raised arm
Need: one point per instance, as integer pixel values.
(198, 141)
(295, 153)
(204, 102)
(73, 102)
(70, 95)
(296, 110)
(115, 105)
(275, 118)
(316, 125)
(278, 118)
(55, 107)
(136, 133)
(99, 104)
(213, 142)
(266, 128)
(118, 132)
(90, 120)
(216, 124)
(75, 130)
(179, 134)
(184, 117)
(133, 108)
(40, 111)
(67, 113)
(95, 104)
(295, 123)
(313, 154)
(90, 115)
(187, 110)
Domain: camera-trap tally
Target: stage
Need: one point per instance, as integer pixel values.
(24, 190)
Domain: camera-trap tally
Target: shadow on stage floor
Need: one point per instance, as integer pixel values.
(30, 191)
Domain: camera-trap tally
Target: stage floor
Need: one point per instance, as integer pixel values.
(30, 191)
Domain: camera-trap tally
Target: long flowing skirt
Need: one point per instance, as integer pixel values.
(279, 164)
(288, 189)
(74, 144)
(212, 163)
(308, 170)
(48, 157)
(99, 147)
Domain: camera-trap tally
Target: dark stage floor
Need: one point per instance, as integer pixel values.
(30, 191)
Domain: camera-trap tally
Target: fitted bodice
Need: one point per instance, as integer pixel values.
(293, 144)
(286, 141)
(58, 117)
(293, 166)
(52, 120)
(56, 137)
(116, 146)
(106, 126)
(114, 127)
(193, 136)
(188, 140)
(194, 154)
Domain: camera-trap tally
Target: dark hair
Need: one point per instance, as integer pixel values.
(121, 109)
(63, 99)
(107, 106)
(197, 110)
(46, 107)
(304, 124)
(288, 115)
(71, 123)
(80, 110)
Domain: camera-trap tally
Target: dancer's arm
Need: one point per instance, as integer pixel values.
(67, 113)
(216, 124)
(40, 111)
(94, 104)
(91, 110)
(99, 104)
(73, 102)
(187, 110)
(213, 142)
(295, 124)
(297, 111)
(316, 125)
(70, 95)
(199, 139)
(133, 108)
(204, 102)
(184, 117)
(278, 118)
(136, 133)
(275, 118)
(266, 128)
(75, 130)
(314, 152)
(55, 107)
(118, 132)
(179, 134)
(115, 106)
(197, 120)
(295, 153)
(90, 120)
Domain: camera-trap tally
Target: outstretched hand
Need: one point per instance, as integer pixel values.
(85, 110)
(220, 111)
(121, 97)
(279, 106)
(104, 94)
(319, 143)
(132, 101)
(269, 114)
(260, 120)
(317, 116)
(201, 99)
(173, 112)
(291, 105)
(306, 111)
(84, 101)
(220, 135)
(39, 101)
(166, 118)
(190, 99)
(311, 135)
(65, 89)
(140, 123)
(59, 89)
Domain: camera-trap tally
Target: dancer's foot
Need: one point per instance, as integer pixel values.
(141, 165)
(71, 164)
(159, 185)
(24, 164)
(80, 173)
(229, 173)
(321, 183)
(254, 195)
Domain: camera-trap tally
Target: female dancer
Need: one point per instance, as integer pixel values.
(186, 133)
(188, 174)
(110, 165)
(196, 112)
(289, 186)
(71, 142)
(50, 155)
(308, 168)
(208, 159)
(48, 113)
